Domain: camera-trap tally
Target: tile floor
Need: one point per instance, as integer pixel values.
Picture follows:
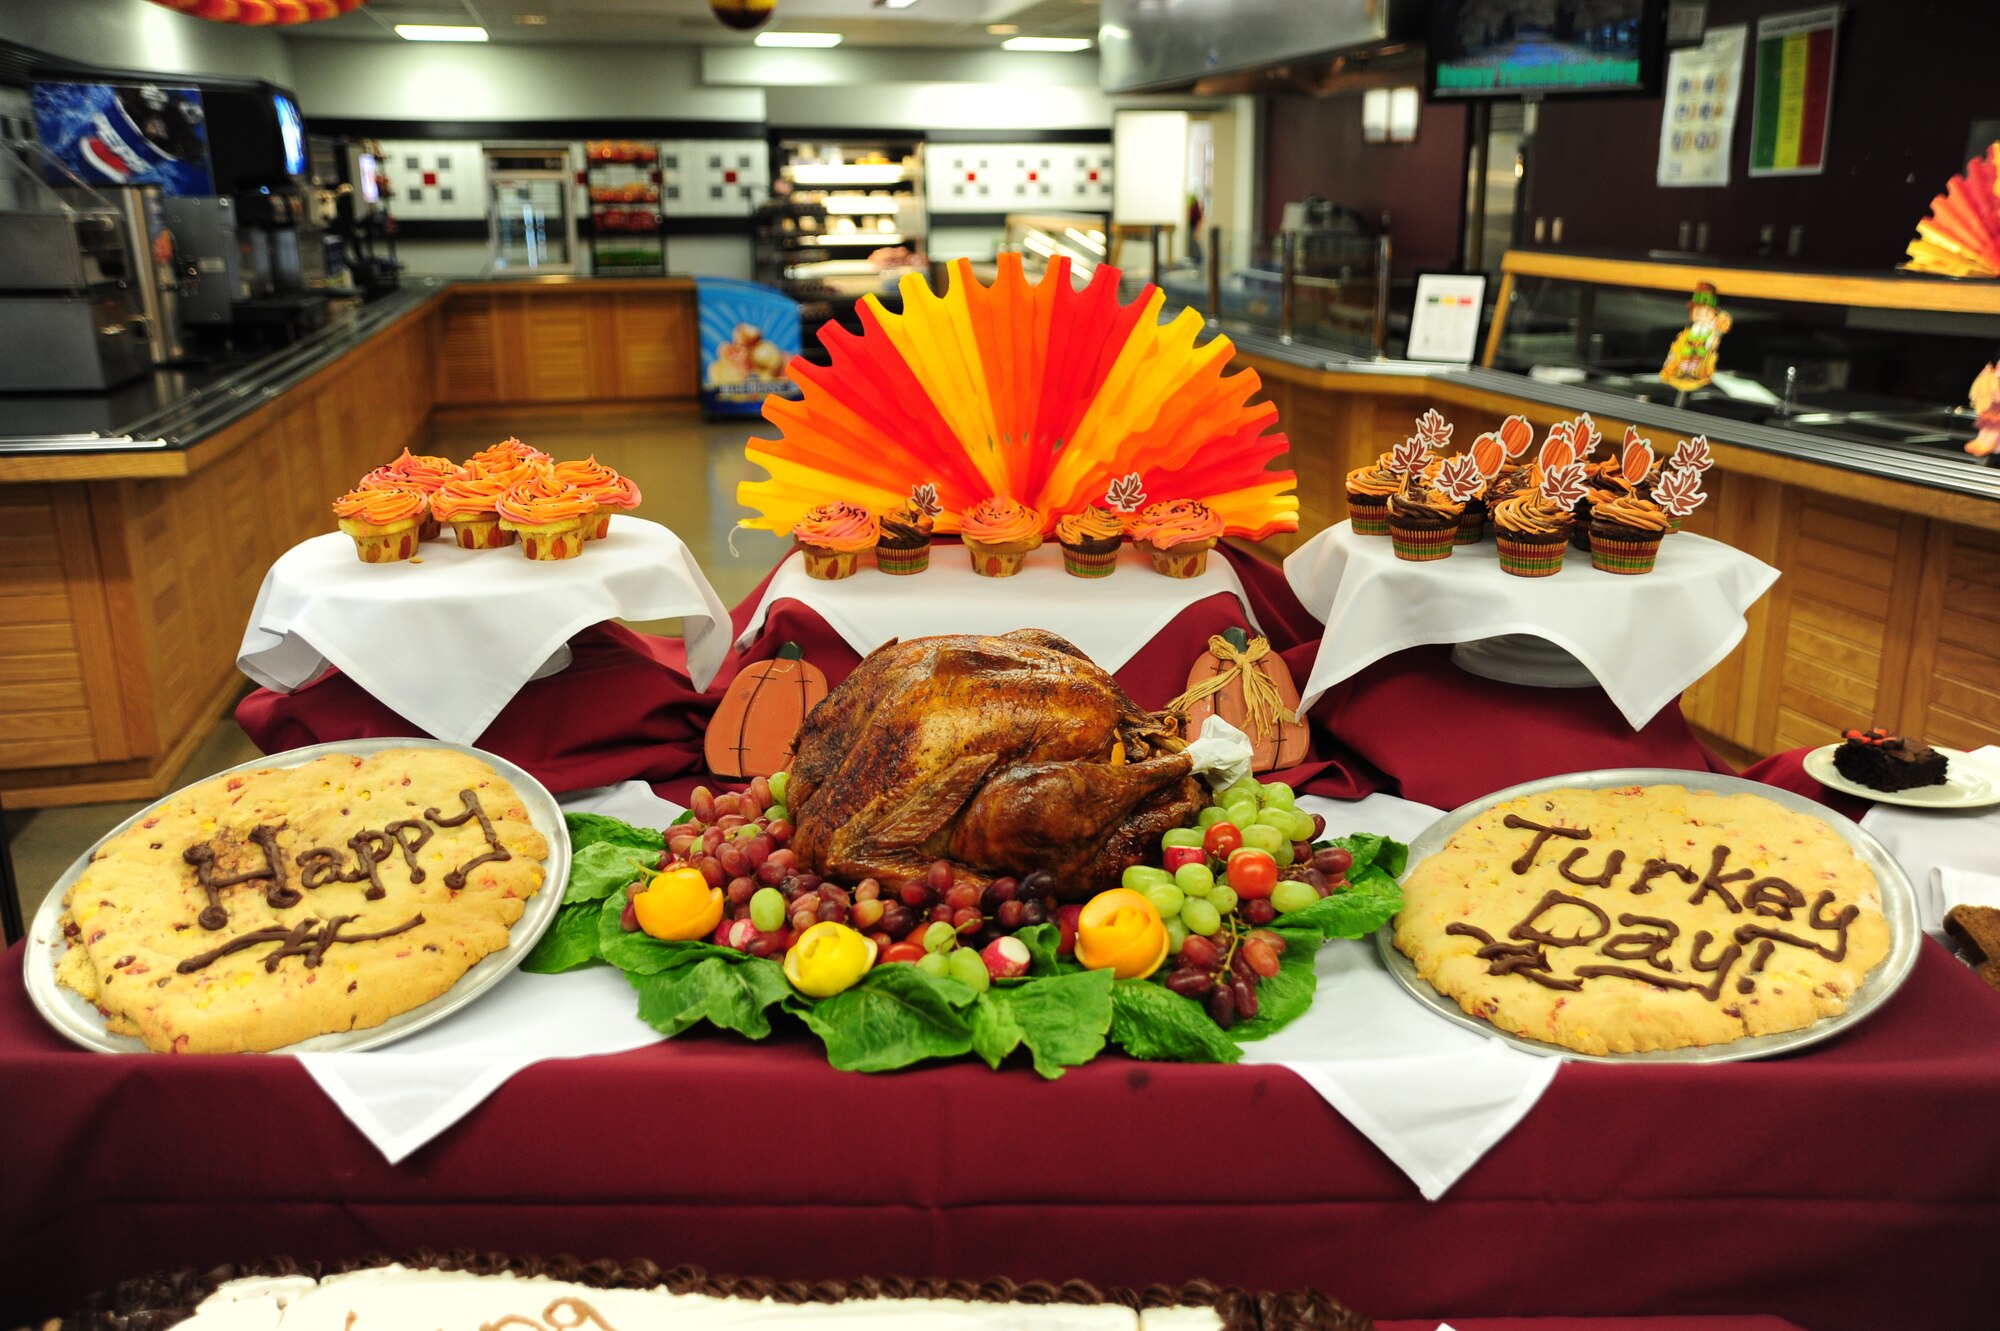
(687, 469)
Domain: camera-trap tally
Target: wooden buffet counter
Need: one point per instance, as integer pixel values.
(126, 575)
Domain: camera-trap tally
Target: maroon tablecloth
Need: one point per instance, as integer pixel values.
(1853, 1186)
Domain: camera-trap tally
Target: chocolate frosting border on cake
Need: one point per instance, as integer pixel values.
(165, 1299)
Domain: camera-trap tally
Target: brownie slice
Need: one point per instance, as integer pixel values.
(1881, 761)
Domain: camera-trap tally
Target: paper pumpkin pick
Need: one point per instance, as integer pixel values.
(1637, 462)
(1408, 458)
(1557, 451)
(1692, 454)
(1584, 435)
(1564, 485)
(1517, 435)
(1040, 392)
(1678, 491)
(1488, 453)
(1458, 479)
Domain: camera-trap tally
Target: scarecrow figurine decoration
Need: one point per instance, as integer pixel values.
(1691, 361)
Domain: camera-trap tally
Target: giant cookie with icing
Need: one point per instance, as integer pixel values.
(258, 909)
(1647, 917)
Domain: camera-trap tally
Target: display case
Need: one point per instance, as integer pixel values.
(531, 222)
(1876, 358)
(622, 180)
(842, 214)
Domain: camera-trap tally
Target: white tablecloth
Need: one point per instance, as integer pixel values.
(448, 642)
(1644, 638)
(1108, 618)
(1951, 855)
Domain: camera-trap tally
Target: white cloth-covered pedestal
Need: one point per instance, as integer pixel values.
(1108, 618)
(1645, 638)
(448, 642)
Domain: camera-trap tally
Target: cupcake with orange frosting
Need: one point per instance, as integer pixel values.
(1625, 533)
(416, 470)
(1368, 491)
(833, 537)
(905, 546)
(1178, 534)
(1532, 533)
(507, 454)
(1090, 542)
(998, 534)
(547, 515)
(613, 493)
(469, 504)
(384, 521)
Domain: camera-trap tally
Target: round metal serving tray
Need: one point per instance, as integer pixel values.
(1899, 907)
(80, 1022)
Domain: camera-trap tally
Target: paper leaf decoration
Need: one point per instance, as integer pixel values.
(1458, 478)
(1040, 392)
(1408, 458)
(1557, 451)
(1692, 454)
(1517, 435)
(1961, 237)
(1487, 455)
(1584, 435)
(1564, 485)
(924, 499)
(1125, 495)
(1433, 431)
(1637, 462)
(1679, 491)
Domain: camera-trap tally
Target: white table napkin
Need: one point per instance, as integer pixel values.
(1432, 1096)
(1644, 638)
(403, 1095)
(485, 620)
(1943, 849)
(1109, 618)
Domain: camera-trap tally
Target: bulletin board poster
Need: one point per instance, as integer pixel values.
(1698, 115)
(1794, 92)
(749, 334)
(127, 134)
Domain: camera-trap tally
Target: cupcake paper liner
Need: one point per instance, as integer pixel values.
(902, 563)
(555, 540)
(1423, 543)
(1615, 555)
(1368, 513)
(1000, 560)
(1471, 527)
(597, 526)
(1529, 556)
(1089, 563)
(830, 565)
(1187, 560)
(383, 545)
(431, 528)
(481, 534)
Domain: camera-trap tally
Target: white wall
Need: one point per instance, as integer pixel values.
(138, 35)
(396, 80)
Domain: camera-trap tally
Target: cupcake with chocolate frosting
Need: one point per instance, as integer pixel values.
(1625, 533)
(833, 537)
(998, 534)
(905, 547)
(1423, 524)
(1532, 533)
(1178, 534)
(1368, 491)
(1090, 542)
(384, 521)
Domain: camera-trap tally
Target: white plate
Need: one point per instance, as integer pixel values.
(1899, 909)
(1966, 784)
(81, 1022)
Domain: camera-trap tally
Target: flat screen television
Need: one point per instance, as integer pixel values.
(1536, 48)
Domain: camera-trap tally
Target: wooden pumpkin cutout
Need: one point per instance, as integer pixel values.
(1282, 744)
(757, 722)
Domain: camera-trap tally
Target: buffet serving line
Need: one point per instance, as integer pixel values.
(1379, 1117)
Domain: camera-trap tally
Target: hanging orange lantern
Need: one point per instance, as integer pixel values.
(263, 13)
(743, 15)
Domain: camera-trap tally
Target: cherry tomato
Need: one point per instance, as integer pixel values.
(1252, 872)
(895, 952)
(1222, 840)
(1173, 857)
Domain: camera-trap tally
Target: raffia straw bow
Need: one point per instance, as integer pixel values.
(1264, 709)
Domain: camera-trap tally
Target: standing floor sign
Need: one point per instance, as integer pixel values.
(1794, 92)
(749, 333)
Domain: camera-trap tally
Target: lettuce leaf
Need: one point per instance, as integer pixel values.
(1284, 997)
(995, 1032)
(895, 1016)
(1368, 849)
(1062, 1019)
(1371, 898)
(587, 829)
(570, 942)
(601, 868)
(1150, 1021)
(732, 994)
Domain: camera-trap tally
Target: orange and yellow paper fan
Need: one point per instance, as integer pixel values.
(1961, 237)
(1043, 393)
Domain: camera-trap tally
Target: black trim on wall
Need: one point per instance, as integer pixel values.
(577, 130)
(441, 229)
(938, 219)
(1018, 136)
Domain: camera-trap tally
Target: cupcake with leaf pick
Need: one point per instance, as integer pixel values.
(905, 545)
(998, 534)
(1424, 516)
(1487, 456)
(611, 492)
(547, 516)
(1516, 439)
(1368, 491)
(384, 522)
(1178, 534)
(1090, 541)
(833, 537)
(1531, 527)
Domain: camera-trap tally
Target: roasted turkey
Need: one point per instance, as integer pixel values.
(996, 754)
